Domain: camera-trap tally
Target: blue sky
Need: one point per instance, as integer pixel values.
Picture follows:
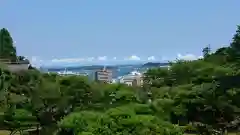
(55, 32)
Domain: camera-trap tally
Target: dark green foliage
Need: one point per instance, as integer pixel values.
(235, 45)
(202, 96)
(7, 49)
(206, 51)
(205, 91)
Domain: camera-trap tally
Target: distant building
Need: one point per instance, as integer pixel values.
(133, 79)
(71, 73)
(103, 76)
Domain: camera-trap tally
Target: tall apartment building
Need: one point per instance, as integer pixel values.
(103, 76)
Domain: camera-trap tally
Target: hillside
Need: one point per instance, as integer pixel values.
(154, 64)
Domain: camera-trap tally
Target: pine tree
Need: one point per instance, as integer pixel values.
(206, 51)
(7, 49)
(235, 48)
(236, 40)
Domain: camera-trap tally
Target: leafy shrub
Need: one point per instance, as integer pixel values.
(189, 129)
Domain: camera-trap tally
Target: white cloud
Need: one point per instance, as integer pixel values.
(37, 61)
(133, 57)
(33, 59)
(72, 60)
(67, 60)
(188, 57)
(164, 58)
(90, 59)
(151, 58)
(102, 58)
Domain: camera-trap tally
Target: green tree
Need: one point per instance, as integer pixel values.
(236, 40)
(201, 95)
(206, 51)
(7, 49)
(122, 120)
(235, 47)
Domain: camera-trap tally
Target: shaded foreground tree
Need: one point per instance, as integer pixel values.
(7, 49)
(8, 52)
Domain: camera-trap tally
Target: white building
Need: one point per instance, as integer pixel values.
(132, 79)
(69, 73)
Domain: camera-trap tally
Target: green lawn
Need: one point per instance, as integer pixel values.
(5, 132)
(228, 134)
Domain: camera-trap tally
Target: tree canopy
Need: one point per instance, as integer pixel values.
(197, 97)
(7, 49)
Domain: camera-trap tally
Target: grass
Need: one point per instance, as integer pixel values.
(5, 132)
(228, 134)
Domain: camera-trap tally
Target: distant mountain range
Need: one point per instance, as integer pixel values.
(111, 67)
(154, 64)
(117, 70)
(93, 67)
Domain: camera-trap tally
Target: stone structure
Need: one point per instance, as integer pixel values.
(15, 66)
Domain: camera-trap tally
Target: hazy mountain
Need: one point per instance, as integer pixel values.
(154, 64)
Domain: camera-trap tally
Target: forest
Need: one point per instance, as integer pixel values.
(191, 97)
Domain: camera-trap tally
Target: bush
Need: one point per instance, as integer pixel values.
(189, 129)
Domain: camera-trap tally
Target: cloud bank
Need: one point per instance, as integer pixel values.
(37, 61)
